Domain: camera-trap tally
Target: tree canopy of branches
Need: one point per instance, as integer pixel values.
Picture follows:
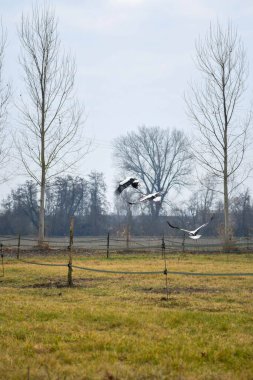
(160, 158)
(21, 210)
(97, 203)
(241, 208)
(85, 200)
(49, 142)
(214, 108)
(66, 197)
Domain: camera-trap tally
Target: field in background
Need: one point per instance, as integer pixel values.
(121, 326)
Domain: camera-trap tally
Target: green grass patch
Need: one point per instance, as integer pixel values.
(116, 326)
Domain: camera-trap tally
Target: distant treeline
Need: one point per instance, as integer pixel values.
(85, 199)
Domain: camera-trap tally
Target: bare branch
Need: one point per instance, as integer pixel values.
(5, 94)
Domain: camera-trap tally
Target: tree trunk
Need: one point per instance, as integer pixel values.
(43, 181)
(225, 186)
(42, 211)
(226, 215)
(225, 172)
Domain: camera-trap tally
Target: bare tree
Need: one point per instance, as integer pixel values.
(159, 157)
(214, 108)
(5, 93)
(49, 142)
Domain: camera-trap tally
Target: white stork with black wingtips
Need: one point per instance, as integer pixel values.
(192, 234)
(155, 197)
(129, 181)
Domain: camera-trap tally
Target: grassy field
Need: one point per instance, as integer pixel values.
(120, 326)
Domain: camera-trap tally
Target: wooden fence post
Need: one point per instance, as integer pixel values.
(183, 243)
(127, 235)
(18, 246)
(108, 245)
(2, 256)
(165, 267)
(163, 247)
(71, 238)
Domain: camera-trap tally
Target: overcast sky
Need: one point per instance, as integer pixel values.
(134, 62)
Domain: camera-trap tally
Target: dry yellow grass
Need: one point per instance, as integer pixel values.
(120, 326)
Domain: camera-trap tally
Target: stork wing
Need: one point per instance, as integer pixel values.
(203, 225)
(145, 198)
(173, 226)
(197, 229)
(181, 229)
(120, 188)
(124, 184)
(178, 228)
(126, 181)
(153, 196)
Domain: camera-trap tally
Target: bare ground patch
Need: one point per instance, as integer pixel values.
(62, 283)
(181, 290)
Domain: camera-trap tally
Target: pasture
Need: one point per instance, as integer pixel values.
(122, 326)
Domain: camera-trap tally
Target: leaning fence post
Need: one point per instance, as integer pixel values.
(71, 238)
(18, 246)
(165, 267)
(183, 243)
(163, 247)
(108, 245)
(127, 235)
(2, 256)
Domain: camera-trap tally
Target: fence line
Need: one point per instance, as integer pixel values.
(111, 243)
(44, 264)
(117, 272)
(164, 271)
(108, 243)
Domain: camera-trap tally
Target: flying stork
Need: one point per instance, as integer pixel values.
(155, 197)
(125, 183)
(192, 234)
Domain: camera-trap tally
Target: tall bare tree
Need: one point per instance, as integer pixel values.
(5, 93)
(49, 142)
(159, 157)
(215, 109)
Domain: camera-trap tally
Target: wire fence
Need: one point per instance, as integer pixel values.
(114, 244)
(162, 271)
(153, 244)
